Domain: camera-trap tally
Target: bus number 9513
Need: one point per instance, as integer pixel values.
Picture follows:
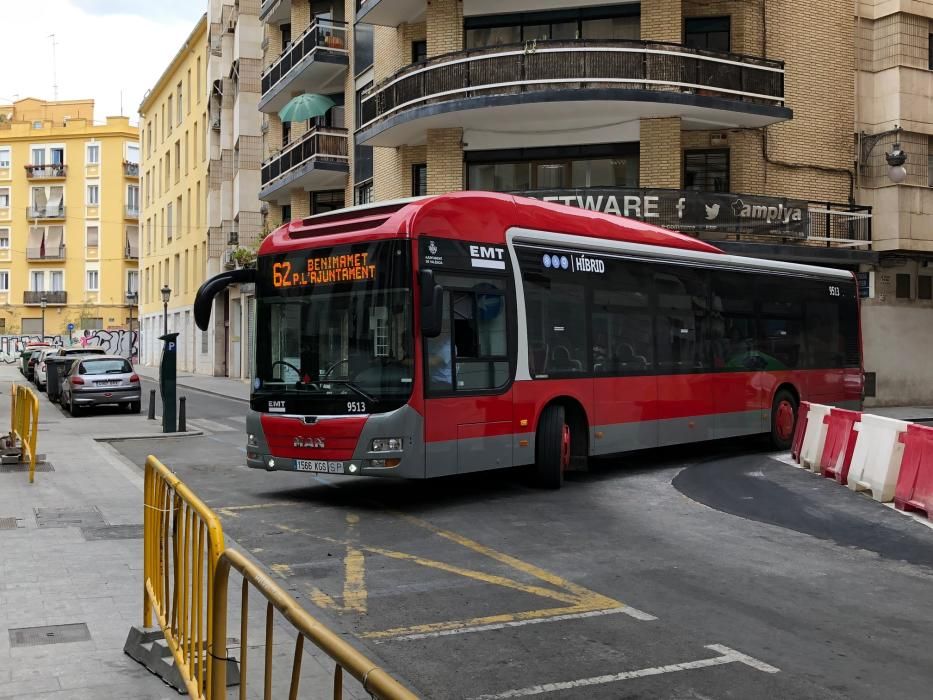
(356, 407)
(834, 291)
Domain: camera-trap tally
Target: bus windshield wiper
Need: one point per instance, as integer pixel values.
(352, 387)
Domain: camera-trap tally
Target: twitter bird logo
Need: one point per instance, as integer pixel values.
(711, 211)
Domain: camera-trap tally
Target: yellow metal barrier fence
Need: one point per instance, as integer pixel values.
(24, 424)
(182, 542)
(374, 680)
(186, 572)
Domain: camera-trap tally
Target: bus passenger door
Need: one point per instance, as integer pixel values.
(686, 410)
(468, 410)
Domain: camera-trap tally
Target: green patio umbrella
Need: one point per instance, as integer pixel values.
(306, 106)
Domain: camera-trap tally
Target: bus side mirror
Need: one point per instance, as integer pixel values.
(432, 305)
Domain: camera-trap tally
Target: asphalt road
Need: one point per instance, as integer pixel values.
(706, 572)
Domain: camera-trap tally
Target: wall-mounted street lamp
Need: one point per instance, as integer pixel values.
(897, 173)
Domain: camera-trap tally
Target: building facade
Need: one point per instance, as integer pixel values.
(69, 212)
(739, 122)
(174, 180)
(234, 218)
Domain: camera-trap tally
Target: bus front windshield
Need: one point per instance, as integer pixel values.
(334, 330)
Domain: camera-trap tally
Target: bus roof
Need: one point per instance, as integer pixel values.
(478, 216)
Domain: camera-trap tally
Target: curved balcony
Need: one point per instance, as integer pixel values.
(316, 161)
(314, 62)
(504, 87)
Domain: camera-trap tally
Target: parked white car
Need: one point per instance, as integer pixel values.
(42, 374)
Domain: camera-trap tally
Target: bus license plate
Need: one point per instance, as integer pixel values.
(313, 465)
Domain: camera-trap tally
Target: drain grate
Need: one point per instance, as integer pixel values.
(23, 467)
(113, 532)
(9, 523)
(88, 516)
(51, 634)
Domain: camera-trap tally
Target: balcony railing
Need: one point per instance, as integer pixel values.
(46, 172)
(321, 143)
(130, 169)
(49, 211)
(50, 297)
(130, 252)
(132, 211)
(322, 34)
(46, 253)
(574, 64)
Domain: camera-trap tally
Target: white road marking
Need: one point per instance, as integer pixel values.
(728, 656)
(211, 426)
(631, 612)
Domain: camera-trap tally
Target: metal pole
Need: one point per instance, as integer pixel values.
(164, 318)
(151, 415)
(181, 414)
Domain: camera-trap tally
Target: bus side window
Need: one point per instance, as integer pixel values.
(439, 352)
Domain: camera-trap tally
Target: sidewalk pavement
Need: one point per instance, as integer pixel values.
(219, 386)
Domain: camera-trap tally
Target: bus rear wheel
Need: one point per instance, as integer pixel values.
(783, 420)
(552, 448)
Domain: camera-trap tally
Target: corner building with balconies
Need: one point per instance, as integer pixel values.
(732, 121)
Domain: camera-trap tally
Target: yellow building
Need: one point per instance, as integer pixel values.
(69, 210)
(174, 181)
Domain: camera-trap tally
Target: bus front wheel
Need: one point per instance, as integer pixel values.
(783, 419)
(552, 448)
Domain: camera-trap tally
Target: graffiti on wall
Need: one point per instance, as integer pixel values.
(116, 342)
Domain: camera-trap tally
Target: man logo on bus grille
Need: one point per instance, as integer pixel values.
(309, 442)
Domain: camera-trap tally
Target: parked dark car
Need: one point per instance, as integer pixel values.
(101, 380)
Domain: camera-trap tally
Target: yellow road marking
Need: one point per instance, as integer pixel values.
(283, 570)
(354, 581)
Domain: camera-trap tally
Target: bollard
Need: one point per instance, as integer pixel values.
(151, 415)
(181, 414)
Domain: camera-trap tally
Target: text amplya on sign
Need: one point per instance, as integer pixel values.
(337, 268)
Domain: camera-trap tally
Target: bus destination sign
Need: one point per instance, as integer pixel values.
(330, 269)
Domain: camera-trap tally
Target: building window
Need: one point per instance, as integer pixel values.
(4, 239)
(4, 197)
(706, 171)
(56, 281)
(132, 198)
(92, 324)
(92, 239)
(93, 153)
(710, 33)
(363, 193)
(930, 52)
(132, 153)
(362, 47)
(93, 195)
(323, 202)
(902, 286)
(286, 213)
(93, 280)
(5, 157)
(169, 228)
(419, 179)
(419, 51)
(4, 281)
(925, 287)
(595, 23)
(132, 281)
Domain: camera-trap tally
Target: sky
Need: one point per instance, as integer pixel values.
(103, 48)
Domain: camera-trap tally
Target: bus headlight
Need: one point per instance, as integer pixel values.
(387, 445)
(251, 441)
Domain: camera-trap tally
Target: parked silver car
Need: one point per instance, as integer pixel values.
(101, 380)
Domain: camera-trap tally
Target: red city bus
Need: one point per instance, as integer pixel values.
(476, 331)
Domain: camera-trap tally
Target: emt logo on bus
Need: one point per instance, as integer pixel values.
(463, 255)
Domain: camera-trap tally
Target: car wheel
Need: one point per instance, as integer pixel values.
(72, 409)
(783, 420)
(135, 406)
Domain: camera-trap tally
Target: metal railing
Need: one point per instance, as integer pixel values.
(50, 297)
(186, 572)
(55, 253)
(49, 211)
(24, 424)
(321, 34)
(847, 225)
(571, 64)
(46, 172)
(321, 143)
(130, 169)
(182, 541)
(132, 211)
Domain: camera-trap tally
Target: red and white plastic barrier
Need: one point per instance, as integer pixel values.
(841, 434)
(876, 459)
(914, 490)
(799, 430)
(814, 437)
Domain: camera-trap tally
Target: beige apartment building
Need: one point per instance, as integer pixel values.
(762, 126)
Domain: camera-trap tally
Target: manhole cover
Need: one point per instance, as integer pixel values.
(9, 524)
(21, 467)
(69, 517)
(51, 634)
(113, 532)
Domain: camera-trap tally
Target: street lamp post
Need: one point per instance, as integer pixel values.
(43, 302)
(166, 294)
(896, 159)
(131, 299)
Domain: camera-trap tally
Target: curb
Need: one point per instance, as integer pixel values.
(154, 436)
